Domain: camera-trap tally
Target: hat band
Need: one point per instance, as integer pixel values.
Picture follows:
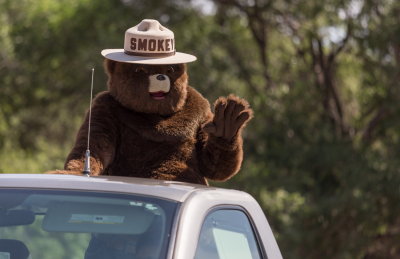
(148, 54)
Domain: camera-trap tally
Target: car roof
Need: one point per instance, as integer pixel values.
(171, 190)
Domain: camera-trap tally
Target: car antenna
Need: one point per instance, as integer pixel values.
(86, 169)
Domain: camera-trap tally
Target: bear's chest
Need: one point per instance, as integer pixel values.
(155, 146)
(138, 148)
(148, 128)
(144, 150)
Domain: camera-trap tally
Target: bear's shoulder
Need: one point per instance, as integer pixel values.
(196, 101)
(104, 98)
(105, 102)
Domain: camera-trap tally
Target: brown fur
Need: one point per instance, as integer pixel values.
(135, 135)
(128, 84)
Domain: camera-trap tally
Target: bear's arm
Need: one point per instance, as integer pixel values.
(103, 137)
(219, 159)
(220, 138)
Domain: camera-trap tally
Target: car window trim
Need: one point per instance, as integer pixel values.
(251, 221)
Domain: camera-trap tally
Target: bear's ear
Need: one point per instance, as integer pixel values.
(109, 66)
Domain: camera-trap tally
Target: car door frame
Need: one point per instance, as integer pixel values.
(199, 204)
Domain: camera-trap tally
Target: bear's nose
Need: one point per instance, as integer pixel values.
(160, 77)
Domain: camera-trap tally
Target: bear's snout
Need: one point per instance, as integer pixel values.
(161, 77)
(159, 86)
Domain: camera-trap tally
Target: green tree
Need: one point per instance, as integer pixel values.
(325, 137)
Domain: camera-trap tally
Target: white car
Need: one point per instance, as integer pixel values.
(62, 216)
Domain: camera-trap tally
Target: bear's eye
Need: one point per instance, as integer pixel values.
(141, 70)
(171, 70)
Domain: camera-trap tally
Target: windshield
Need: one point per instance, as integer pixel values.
(83, 225)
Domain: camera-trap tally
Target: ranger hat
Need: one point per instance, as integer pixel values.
(148, 43)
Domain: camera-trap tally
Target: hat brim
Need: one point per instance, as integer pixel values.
(120, 56)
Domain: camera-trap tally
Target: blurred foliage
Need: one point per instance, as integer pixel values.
(48, 245)
(322, 154)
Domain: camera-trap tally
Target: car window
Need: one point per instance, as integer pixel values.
(227, 233)
(85, 225)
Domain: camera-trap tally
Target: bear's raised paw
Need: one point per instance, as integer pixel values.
(230, 116)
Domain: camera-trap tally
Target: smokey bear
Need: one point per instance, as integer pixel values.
(152, 124)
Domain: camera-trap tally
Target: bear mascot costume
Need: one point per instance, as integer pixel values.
(152, 124)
